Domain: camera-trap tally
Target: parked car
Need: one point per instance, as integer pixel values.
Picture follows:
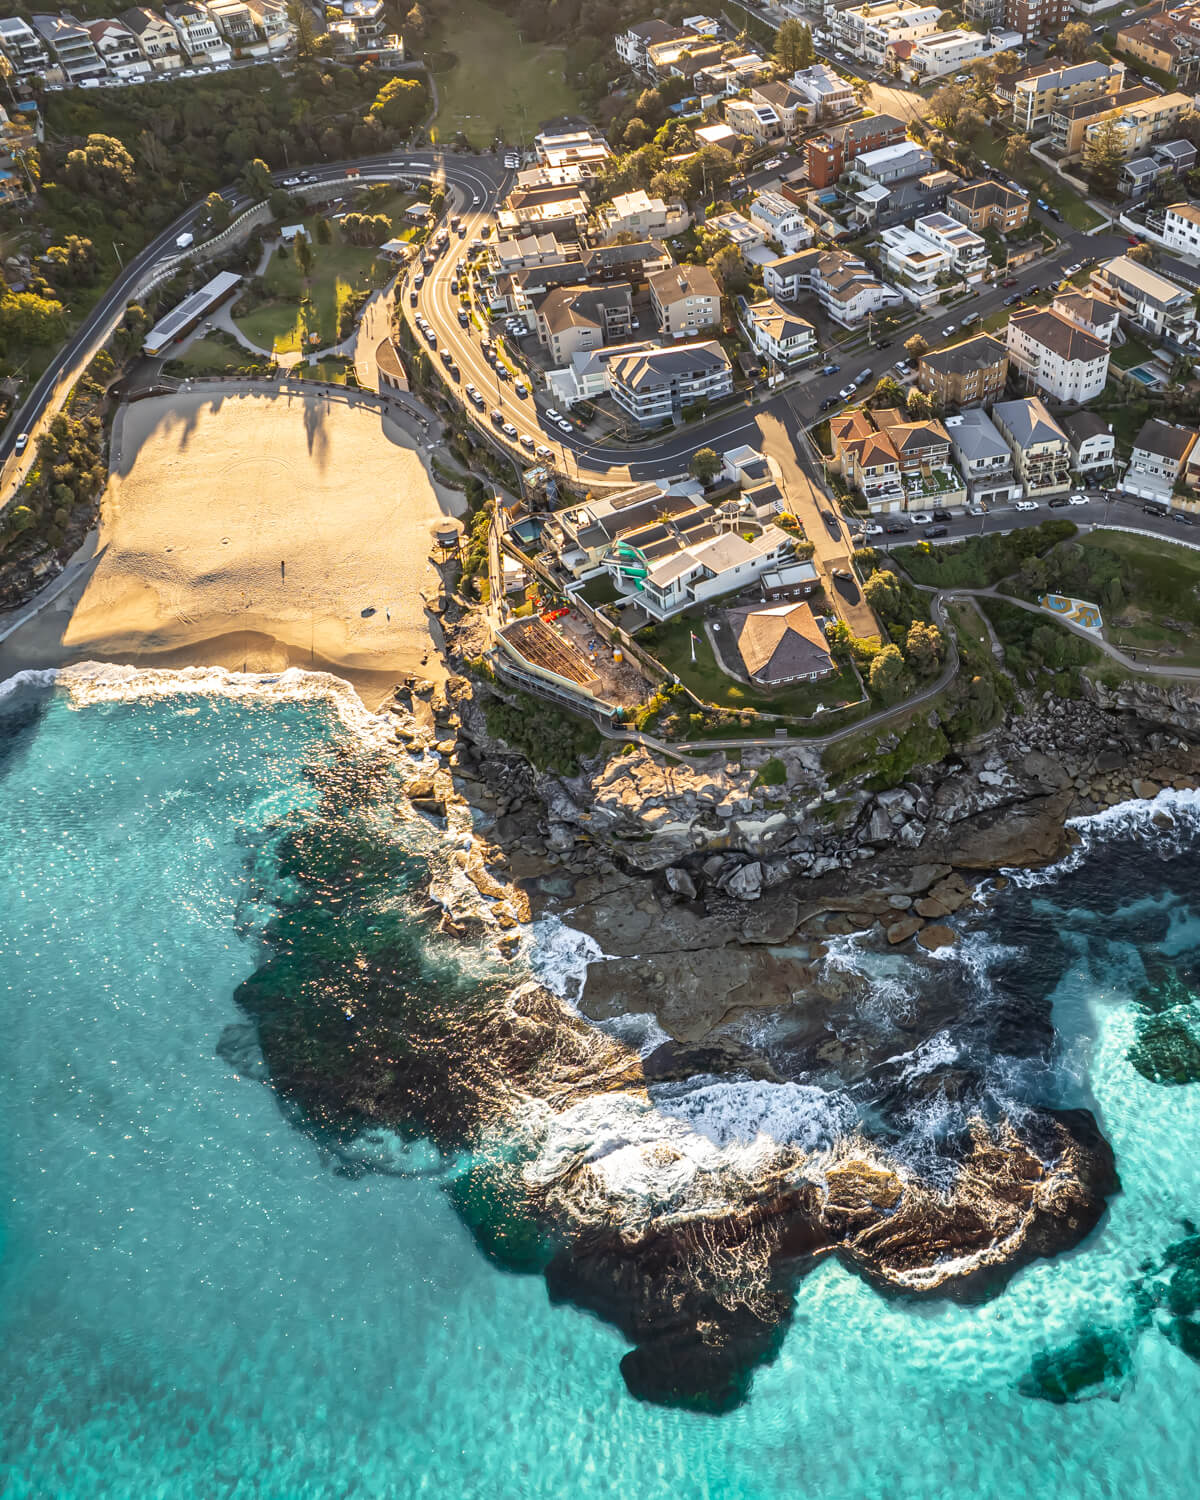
(942, 515)
(1011, 298)
(1027, 505)
(474, 397)
(872, 528)
(895, 528)
(412, 299)
(1055, 213)
(831, 369)
(1009, 281)
(845, 393)
(863, 376)
(564, 425)
(543, 452)
(932, 531)
(464, 318)
(949, 332)
(508, 429)
(1181, 518)
(527, 442)
(1078, 500)
(1058, 502)
(21, 443)
(502, 371)
(1154, 510)
(553, 414)
(521, 389)
(828, 402)
(920, 518)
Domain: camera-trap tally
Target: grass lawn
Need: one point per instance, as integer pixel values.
(1132, 352)
(499, 85)
(332, 371)
(671, 644)
(600, 590)
(215, 354)
(283, 324)
(1041, 180)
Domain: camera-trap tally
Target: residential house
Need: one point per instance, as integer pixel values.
(789, 103)
(780, 643)
(1139, 125)
(825, 94)
(966, 249)
(274, 26)
(1041, 452)
(199, 39)
(782, 221)
(581, 536)
(1069, 122)
(972, 373)
(631, 45)
(741, 234)
(585, 375)
(626, 262)
(654, 387)
(1181, 228)
(879, 207)
(686, 300)
(362, 27)
(1095, 315)
(1093, 446)
(23, 47)
(988, 205)
(826, 154)
(1038, 97)
(117, 46)
(1156, 464)
(781, 336)
(573, 319)
(914, 263)
(639, 214)
(158, 39)
(939, 53)
(868, 29)
(892, 163)
(923, 452)
(551, 210)
(518, 252)
(1168, 41)
(983, 457)
(571, 143)
(848, 291)
(71, 46)
(751, 118)
(1145, 297)
(235, 20)
(1055, 356)
(868, 461)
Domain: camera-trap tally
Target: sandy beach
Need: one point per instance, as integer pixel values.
(254, 532)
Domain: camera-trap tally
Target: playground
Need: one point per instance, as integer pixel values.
(1077, 611)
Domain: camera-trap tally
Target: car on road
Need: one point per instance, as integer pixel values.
(862, 377)
(1012, 297)
(1058, 502)
(564, 426)
(1154, 510)
(501, 371)
(1055, 213)
(942, 515)
(1078, 500)
(527, 442)
(828, 402)
(1181, 518)
(1027, 505)
(895, 528)
(830, 519)
(846, 392)
(543, 452)
(872, 528)
(1133, 239)
(831, 370)
(554, 414)
(474, 397)
(454, 286)
(920, 518)
(932, 531)
(447, 358)
(508, 430)
(464, 318)
(521, 389)
(21, 443)
(412, 299)
(1009, 281)
(950, 330)
(291, 182)
(1074, 270)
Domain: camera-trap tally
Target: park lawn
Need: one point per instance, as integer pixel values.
(499, 85)
(284, 324)
(216, 354)
(671, 645)
(333, 371)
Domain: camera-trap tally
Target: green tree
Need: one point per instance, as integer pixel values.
(1103, 157)
(324, 231)
(916, 346)
(1142, 253)
(729, 268)
(28, 319)
(304, 255)
(256, 178)
(1075, 41)
(882, 593)
(789, 45)
(217, 211)
(888, 392)
(923, 647)
(399, 104)
(887, 676)
(637, 133)
(918, 404)
(1017, 154)
(102, 168)
(304, 27)
(705, 465)
(946, 105)
(808, 53)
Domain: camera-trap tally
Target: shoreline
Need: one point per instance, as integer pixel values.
(256, 533)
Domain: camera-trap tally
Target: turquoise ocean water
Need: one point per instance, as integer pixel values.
(194, 1300)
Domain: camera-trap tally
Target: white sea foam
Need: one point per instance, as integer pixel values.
(32, 677)
(559, 956)
(1132, 817)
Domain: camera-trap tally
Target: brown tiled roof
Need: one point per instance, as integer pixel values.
(1059, 334)
(978, 353)
(780, 642)
(1165, 438)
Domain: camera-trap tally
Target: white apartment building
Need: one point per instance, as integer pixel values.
(199, 39)
(1181, 229)
(158, 39)
(983, 457)
(22, 46)
(846, 288)
(826, 93)
(779, 335)
(234, 19)
(1142, 296)
(915, 262)
(639, 214)
(944, 52)
(71, 47)
(1056, 356)
(781, 220)
(654, 387)
(966, 249)
(868, 29)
